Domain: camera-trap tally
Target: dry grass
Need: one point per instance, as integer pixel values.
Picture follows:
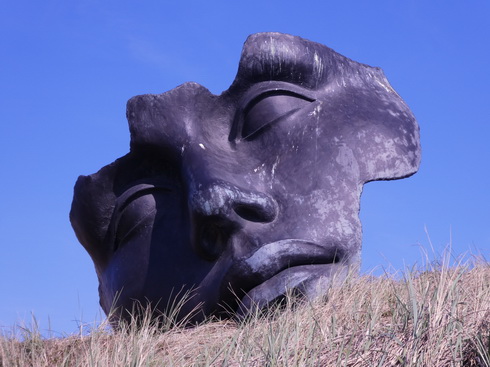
(437, 318)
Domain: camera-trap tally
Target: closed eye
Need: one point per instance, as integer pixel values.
(268, 108)
(134, 208)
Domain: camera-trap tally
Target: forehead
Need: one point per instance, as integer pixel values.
(267, 59)
(292, 59)
(355, 103)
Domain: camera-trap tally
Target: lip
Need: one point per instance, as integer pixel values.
(310, 281)
(274, 257)
(278, 266)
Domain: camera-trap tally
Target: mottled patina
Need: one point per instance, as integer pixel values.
(242, 196)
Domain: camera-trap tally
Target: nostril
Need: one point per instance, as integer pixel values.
(254, 213)
(213, 241)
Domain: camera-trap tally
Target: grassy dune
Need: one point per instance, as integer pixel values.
(438, 317)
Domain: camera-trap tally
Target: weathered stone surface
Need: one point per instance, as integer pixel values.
(246, 194)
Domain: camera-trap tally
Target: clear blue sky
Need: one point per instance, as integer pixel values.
(67, 69)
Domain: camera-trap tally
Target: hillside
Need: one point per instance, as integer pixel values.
(439, 317)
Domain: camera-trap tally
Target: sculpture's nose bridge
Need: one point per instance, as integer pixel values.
(226, 201)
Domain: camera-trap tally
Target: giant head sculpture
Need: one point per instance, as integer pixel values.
(242, 196)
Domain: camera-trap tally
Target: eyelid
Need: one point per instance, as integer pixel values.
(145, 184)
(259, 92)
(133, 193)
(127, 197)
(264, 87)
(116, 242)
(274, 92)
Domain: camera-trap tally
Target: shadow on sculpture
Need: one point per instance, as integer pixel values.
(243, 196)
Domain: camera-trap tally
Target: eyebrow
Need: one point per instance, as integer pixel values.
(282, 57)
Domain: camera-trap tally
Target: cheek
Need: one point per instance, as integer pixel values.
(173, 265)
(136, 232)
(154, 260)
(125, 276)
(324, 214)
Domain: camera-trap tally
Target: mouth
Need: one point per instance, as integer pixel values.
(307, 281)
(278, 267)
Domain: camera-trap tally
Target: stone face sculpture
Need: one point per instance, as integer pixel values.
(241, 196)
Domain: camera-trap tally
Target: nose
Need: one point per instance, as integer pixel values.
(227, 201)
(220, 209)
